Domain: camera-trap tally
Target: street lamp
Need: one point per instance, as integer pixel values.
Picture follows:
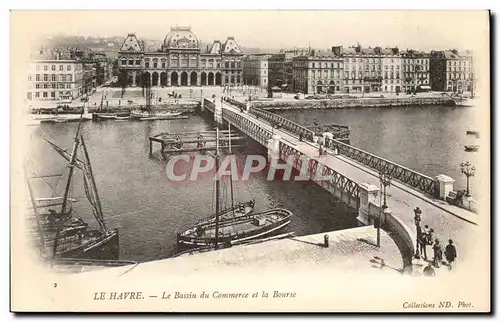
(385, 181)
(417, 219)
(468, 170)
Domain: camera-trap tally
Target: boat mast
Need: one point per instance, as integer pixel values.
(97, 201)
(217, 190)
(231, 171)
(71, 165)
(68, 182)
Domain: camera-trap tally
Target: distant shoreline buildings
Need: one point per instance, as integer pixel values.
(180, 61)
(363, 70)
(66, 73)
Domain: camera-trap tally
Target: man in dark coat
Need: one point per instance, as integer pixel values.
(438, 253)
(450, 253)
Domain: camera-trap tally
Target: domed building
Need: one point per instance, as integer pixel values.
(181, 62)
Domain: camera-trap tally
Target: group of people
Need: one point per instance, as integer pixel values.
(425, 237)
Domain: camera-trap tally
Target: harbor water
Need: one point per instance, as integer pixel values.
(149, 209)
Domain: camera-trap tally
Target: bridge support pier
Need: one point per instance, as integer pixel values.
(368, 194)
(445, 184)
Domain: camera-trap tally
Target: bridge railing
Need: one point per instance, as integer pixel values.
(250, 128)
(337, 181)
(412, 178)
(235, 102)
(284, 122)
(339, 131)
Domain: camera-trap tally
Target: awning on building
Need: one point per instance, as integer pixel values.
(284, 85)
(425, 87)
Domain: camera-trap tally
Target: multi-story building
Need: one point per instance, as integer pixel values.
(281, 68)
(318, 73)
(58, 74)
(452, 71)
(362, 68)
(391, 69)
(104, 68)
(255, 70)
(180, 61)
(416, 70)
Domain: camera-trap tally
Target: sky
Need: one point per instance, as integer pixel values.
(423, 30)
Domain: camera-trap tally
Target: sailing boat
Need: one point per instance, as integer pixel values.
(151, 114)
(59, 233)
(229, 230)
(236, 210)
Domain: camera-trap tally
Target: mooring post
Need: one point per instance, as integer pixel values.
(327, 241)
(163, 150)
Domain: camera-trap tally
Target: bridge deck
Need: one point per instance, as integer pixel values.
(446, 220)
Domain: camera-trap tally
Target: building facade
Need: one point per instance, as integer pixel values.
(391, 67)
(362, 68)
(281, 68)
(416, 70)
(56, 75)
(180, 61)
(104, 68)
(318, 73)
(452, 71)
(255, 70)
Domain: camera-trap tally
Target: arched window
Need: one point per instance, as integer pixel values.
(218, 63)
(163, 63)
(211, 63)
(155, 63)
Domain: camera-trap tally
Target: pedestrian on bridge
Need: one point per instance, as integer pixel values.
(450, 253)
(424, 237)
(438, 253)
(300, 136)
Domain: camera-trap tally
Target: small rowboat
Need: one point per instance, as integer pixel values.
(471, 148)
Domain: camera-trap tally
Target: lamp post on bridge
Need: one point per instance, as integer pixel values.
(417, 219)
(469, 171)
(385, 181)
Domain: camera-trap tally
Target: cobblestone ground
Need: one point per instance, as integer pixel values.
(350, 251)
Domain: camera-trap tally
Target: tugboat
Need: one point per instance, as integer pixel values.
(61, 235)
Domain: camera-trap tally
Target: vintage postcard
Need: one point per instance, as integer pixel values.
(250, 161)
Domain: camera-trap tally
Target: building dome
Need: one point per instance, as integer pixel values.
(181, 37)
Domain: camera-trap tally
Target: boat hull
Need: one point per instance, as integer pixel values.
(145, 116)
(188, 238)
(248, 208)
(106, 247)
